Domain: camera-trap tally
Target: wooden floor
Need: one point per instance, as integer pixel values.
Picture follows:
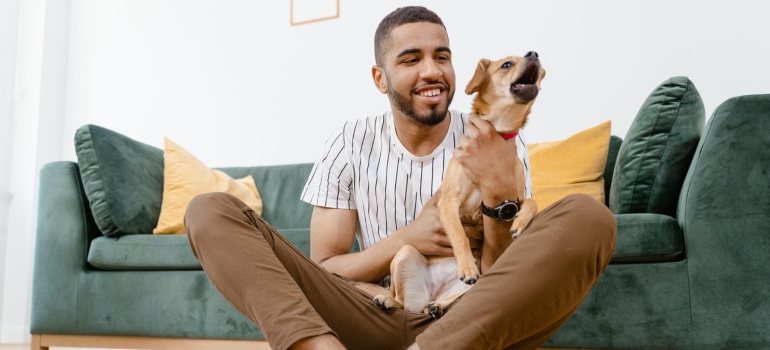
(27, 347)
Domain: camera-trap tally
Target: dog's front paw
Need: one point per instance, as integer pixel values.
(434, 310)
(519, 224)
(468, 273)
(383, 301)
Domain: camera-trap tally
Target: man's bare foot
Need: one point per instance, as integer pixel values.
(324, 341)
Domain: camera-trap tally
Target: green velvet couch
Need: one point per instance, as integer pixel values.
(691, 267)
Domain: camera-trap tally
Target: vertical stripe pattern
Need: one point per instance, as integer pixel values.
(364, 167)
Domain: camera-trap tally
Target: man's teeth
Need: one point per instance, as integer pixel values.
(430, 93)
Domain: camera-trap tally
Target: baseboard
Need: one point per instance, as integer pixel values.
(10, 335)
(44, 341)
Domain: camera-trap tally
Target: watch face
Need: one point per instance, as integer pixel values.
(508, 211)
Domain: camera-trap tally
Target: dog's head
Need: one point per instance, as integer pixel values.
(506, 89)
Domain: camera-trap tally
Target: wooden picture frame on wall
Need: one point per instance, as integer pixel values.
(309, 11)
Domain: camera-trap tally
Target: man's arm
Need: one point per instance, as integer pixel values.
(332, 232)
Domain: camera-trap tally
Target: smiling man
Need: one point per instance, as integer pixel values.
(376, 182)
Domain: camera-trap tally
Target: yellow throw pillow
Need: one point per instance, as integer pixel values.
(185, 177)
(573, 165)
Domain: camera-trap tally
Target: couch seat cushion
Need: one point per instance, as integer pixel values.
(645, 238)
(142, 252)
(162, 252)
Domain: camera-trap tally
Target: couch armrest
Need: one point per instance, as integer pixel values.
(725, 213)
(64, 229)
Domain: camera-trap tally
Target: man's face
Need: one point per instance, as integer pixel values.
(418, 73)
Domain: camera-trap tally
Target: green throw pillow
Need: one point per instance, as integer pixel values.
(122, 178)
(657, 150)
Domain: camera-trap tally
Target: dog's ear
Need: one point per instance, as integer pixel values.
(478, 77)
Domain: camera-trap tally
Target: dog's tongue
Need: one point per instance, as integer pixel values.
(519, 86)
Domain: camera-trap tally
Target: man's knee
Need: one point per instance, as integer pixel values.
(591, 218)
(205, 208)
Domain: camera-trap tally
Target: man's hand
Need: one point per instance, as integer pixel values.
(488, 160)
(427, 235)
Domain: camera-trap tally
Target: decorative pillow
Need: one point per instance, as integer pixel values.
(185, 177)
(657, 150)
(573, 165)
(122, 179)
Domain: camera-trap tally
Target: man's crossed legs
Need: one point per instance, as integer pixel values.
(532, 289)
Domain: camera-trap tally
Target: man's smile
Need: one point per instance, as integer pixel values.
(431, 93)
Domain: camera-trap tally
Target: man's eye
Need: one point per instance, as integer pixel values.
(508, 64)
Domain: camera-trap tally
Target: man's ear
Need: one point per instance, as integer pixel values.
(478, 77)
(380, 79)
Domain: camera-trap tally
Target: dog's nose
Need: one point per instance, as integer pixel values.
(532, 55)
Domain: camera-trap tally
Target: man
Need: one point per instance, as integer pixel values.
(376, 183)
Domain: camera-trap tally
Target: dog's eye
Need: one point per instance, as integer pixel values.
(508, 64)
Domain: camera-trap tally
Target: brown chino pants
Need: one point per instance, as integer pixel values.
(531, 290)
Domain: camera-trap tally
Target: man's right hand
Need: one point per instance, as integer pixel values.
(427, 235)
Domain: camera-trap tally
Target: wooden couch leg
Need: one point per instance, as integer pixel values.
(36, 343)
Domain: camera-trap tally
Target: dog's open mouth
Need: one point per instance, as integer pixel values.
(524, 88)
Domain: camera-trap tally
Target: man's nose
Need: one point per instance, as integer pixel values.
(429, 70)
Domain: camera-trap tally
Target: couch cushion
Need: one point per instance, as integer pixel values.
(642, 238)
(166, 252)
(185, 177)
(162, 252)
(645, 238)
(572, 165)
(657, 150)
(609, 167)
(122, 178)
(142, 252)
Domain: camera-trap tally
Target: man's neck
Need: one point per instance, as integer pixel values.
(419, 139)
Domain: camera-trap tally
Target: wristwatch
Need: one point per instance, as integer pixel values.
(506, 211)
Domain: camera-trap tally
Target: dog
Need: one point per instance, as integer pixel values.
(505, 92)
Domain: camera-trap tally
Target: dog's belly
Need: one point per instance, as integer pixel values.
(442, 278)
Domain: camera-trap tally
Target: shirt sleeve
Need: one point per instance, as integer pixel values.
(523, 153)
(330, 183)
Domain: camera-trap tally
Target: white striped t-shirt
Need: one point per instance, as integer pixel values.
(365, 167)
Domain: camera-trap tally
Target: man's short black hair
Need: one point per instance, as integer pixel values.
(401, 16)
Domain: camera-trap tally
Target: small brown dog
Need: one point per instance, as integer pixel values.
(506, 89)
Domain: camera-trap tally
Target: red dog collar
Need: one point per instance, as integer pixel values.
(509, 136)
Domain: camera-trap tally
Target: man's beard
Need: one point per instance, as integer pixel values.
(405, 105)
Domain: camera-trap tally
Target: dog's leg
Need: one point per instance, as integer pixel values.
(449, 212)
(379, 294)
(524, 217)
(450, 288)
(409, 279)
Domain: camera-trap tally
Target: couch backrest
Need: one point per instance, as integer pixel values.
(280, 187)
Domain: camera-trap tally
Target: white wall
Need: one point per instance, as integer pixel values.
(9, 13)
(235, 84)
